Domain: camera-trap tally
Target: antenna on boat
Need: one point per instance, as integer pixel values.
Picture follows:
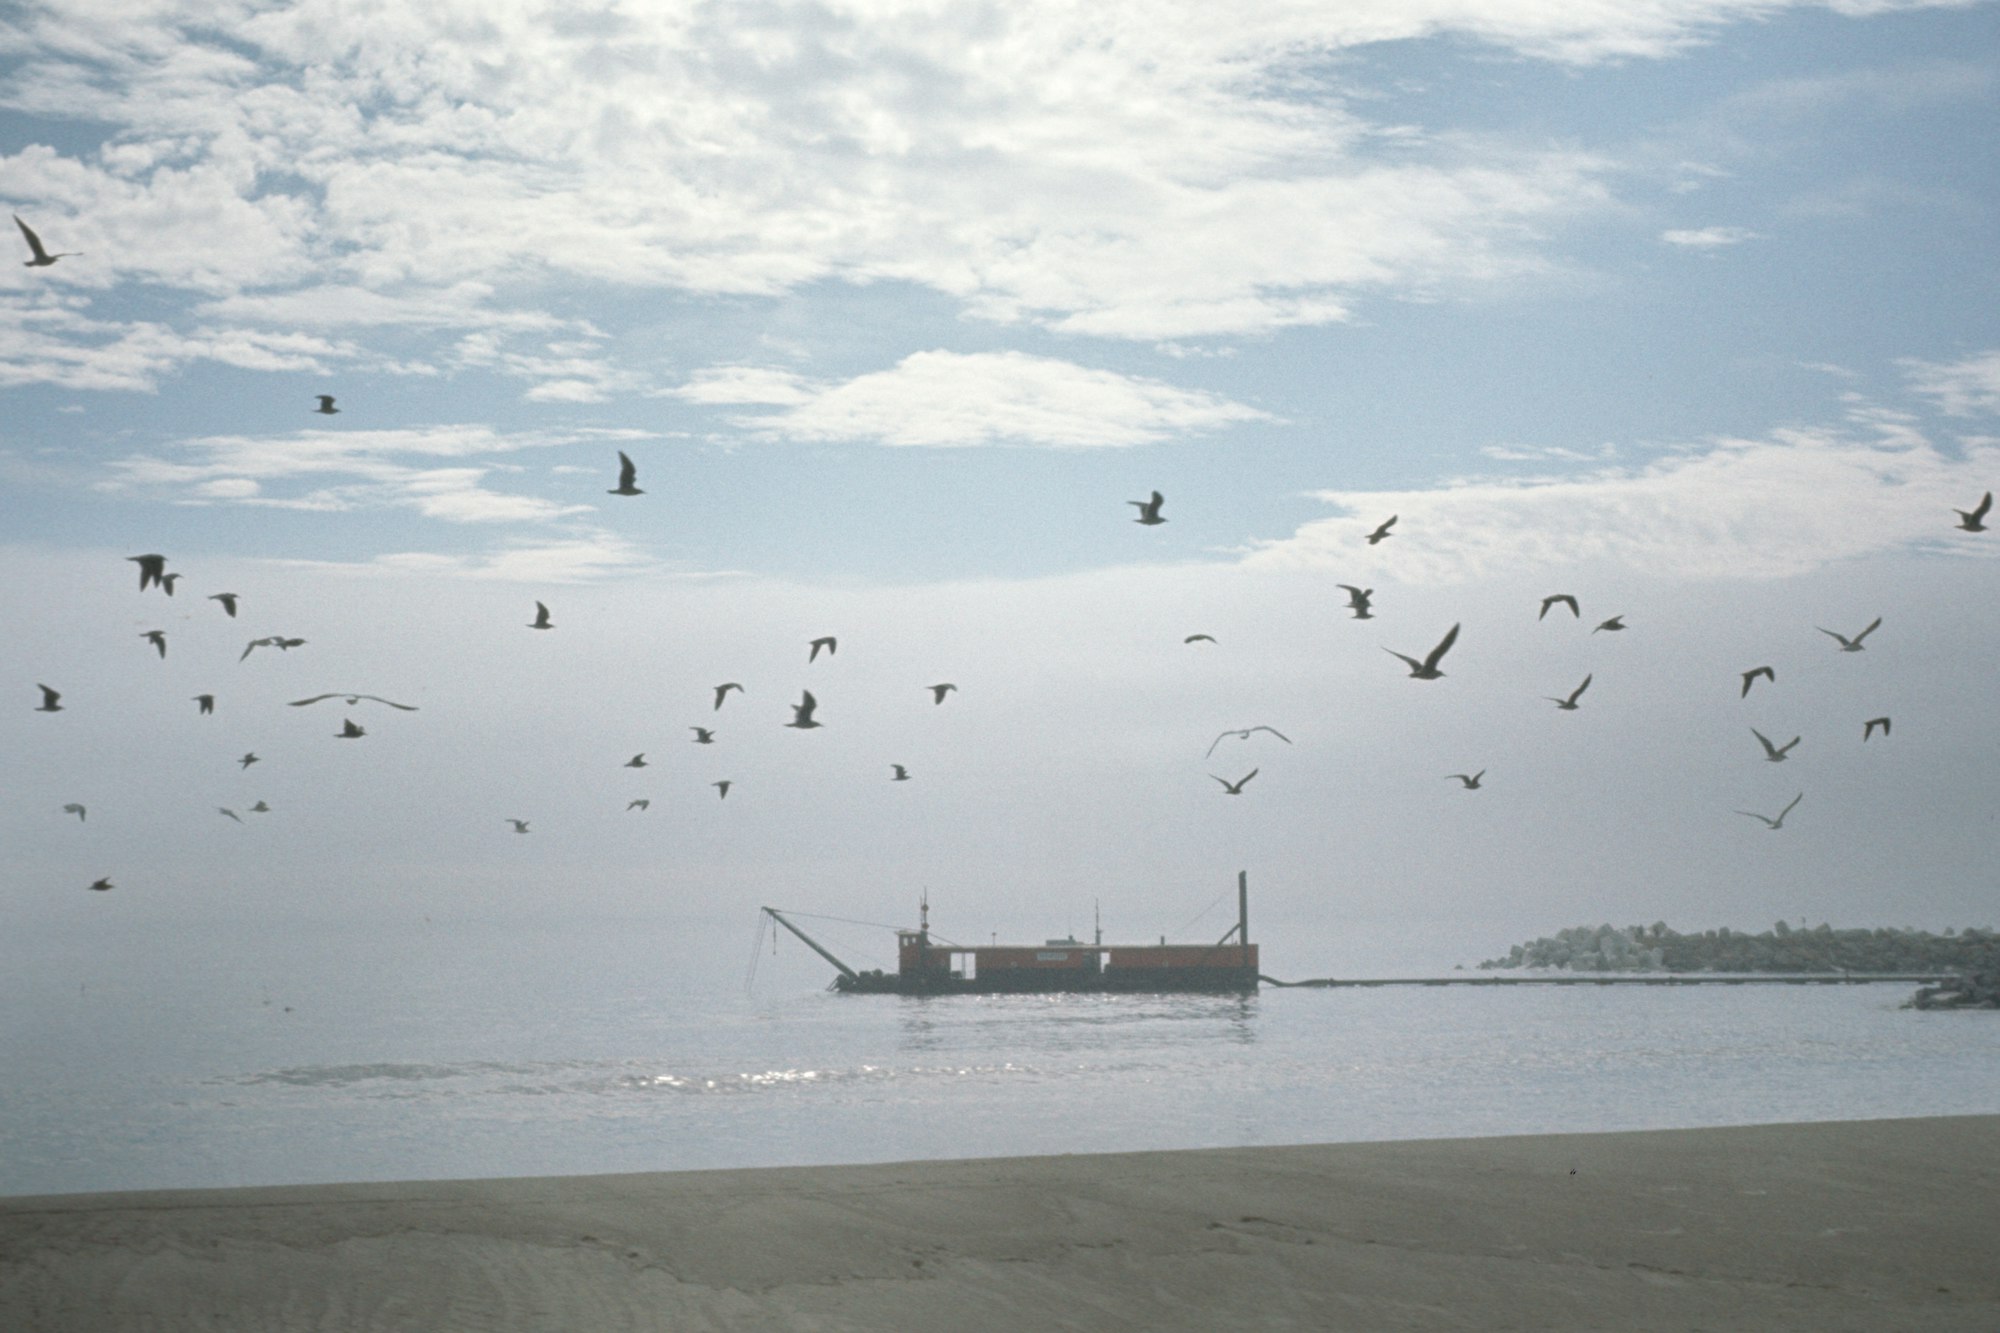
(1097, 922)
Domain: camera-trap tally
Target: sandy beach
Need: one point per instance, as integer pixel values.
(1871, 1225)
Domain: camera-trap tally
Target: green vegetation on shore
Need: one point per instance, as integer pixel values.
(1783, 948)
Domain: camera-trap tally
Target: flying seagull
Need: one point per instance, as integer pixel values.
(1471, 780)
(542, 620)
(167, 582)
(940, 690)
(1244, 733)
(74, 809)
(326, 407)
(802, 712)
(1752, 674)
(1428, 668)
(1853, 645)
(206, 702)
(1375, 537)
(158, 638)
(703, 736)
(42, 257)
(260, 809)
(285, 645)
(722, 692)
(1974, 519)
(255, 644)
(1569, 705)
(826, 641)
(1199, 638)
(722, 789)
(103, 885)
(641, 803)
(1868, 727)
(1236, 788)
(628, 472)
(1149, 509)
(49, 697)
(520, 825)
(228, 600)
(637, 761)
(1779, 822)
(1357, 600)
(1614, 624)
(1563, 597)
(349, 731)
(249, 758)
(353, 699)
(225, 810)
(1775, 753)
(151, 567)
(902, 774)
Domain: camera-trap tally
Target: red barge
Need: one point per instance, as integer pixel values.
(925, 966)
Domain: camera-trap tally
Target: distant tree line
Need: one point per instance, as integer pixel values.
(1783, 948)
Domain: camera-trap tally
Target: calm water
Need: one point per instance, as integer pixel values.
(324, 1057)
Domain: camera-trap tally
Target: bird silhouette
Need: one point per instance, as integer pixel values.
(151, 568)
(249, 758)
(1376, 537)
(637, 761)
(74, 809)
(1243, 733)
(228, 600)
(42, 258)
(1973, 519)
(1774, 753)
(541, 620)
(1199, 638)
(640, 804)
(260, 809)
(255, 644)
(722, 692)
(1236, 788)
(225, 810)
(353, 699)
(349, 730)
(1149, 509)
(628, 472)
(940, 690)
(206, 703)
(326, 407)
(826, 641)
(520, 825)
(901, 774)
(103, 885)
(802, 712)
(1779, 822)
(1562, 597)
(1614, 624)
(1752, 675)
(722, 789)
(1569, 705)
(1868, 727)
(158, 638)
(703, 736)
(1471, 780)
(1428, 668)
(1853, 645)
(1358, 600)
(49, 698)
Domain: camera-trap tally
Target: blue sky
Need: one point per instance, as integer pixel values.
(1685, 310)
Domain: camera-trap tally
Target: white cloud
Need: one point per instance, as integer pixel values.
(947, 399)
(340, 471)
(589, 557)
(1708, 238)
(1787, 504)
(1966, 387)
(49, 339)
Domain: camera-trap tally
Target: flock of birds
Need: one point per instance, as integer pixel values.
(153, 573)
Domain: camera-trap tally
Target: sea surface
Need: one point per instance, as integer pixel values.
(220, 1059)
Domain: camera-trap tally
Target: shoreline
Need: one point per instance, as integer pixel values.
(1861, 1225)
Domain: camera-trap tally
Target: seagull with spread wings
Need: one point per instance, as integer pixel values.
(1563, 597)
(1569, 705)
(1358, 600)
(1779, 822)
(628, 472)
(1244, 734)
(42, 258)
(1752, 675)
(1149, 509)
(1428, 668)
(353, 699)
(802, 712)
(1974, 519)
(1853, 645)
(1236, 788)
(1774, 753)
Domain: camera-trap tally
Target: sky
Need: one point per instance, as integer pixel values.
(1685, 309)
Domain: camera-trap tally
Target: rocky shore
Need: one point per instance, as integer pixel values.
(1974, 990)
(1783, 948)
